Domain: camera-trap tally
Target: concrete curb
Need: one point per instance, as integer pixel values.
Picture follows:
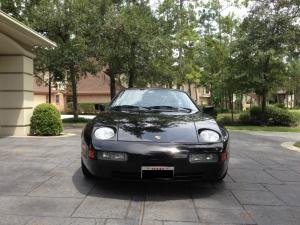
(64, 135)
(290, 146)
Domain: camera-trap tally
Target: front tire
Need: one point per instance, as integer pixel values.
(86, 173)
(220, 179)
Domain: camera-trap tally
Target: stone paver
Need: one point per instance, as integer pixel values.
(257, 198)
(272, 215)
(41, 184)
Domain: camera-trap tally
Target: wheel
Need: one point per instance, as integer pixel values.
(220, 179)
(85, 171)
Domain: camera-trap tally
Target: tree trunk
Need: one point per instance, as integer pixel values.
(231, 105)
(241, 103)
(189, 87)
(132, 66)
(49, 89)
(263, 107)
(74, 91)
(112, 83)
(131, 78)
(196, 93)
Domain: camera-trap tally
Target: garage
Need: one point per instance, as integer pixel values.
(16, 74)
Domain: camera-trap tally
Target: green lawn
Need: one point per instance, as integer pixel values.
(264, 128)
(297, 144)
(295, 112)
(222, 115)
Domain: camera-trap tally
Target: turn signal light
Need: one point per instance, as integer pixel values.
(223, 156)
(92, 153)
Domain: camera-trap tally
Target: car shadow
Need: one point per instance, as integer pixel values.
(150, 190)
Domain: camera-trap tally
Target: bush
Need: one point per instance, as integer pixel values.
(87, 108)
(84, 108)
(280, 105)
(79, 120)
(227, 120)
(245, 118)
(280, 117)
(274, 117)
(46, 121)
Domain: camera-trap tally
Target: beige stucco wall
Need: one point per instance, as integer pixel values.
(16, 94)
(93, 98)
(199, 94)
(39, 99)
(62, 105)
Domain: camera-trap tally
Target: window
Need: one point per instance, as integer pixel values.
(57, 99)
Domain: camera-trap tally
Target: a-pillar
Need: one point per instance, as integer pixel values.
(16, 94)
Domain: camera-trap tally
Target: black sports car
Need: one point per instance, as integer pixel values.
(154, 133)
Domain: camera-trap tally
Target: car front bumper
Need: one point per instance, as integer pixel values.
(162, 155)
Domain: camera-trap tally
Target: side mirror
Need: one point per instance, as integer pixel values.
(209, 110)
(99, 107)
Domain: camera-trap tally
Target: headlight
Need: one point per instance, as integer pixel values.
(104, 133)
(209, 136)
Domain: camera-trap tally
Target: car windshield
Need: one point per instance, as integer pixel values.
(154, 99)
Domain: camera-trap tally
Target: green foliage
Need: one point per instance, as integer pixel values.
(267, 37)
(87, 108)
(45, 121)
(227, 120)
(297, 144)
(245, 118)
(280, 105)
(72, 120)
(84, 108)
(274, 117)
(264, 128)
(181, 42)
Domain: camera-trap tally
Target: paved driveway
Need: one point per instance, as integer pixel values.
(41, 183)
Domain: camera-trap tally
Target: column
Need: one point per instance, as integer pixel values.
(16, 94)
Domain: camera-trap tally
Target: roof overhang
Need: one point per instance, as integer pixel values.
(21, 33)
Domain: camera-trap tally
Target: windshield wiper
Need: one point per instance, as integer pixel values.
(129, 108)
(169, 108)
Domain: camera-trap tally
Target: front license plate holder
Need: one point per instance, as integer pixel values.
(157, 172)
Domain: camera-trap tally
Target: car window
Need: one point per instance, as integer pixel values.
(153, 97)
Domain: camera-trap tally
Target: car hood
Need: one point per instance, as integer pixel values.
(158, 127)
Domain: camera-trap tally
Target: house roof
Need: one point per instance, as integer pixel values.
(98, 84)
(40, 87)
(22, 33)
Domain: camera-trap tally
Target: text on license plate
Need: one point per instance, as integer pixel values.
(158, 168)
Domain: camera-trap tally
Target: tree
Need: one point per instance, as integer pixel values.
(64, 23)
(218, 33)
(179, 35)
(268, 35)
(124, 38)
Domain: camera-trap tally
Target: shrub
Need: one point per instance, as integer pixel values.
(226, 120)
(274, 117)
(87, 108)
(245, 118)
(280, 117)
(280, 105)
(84, 108)
(255, 114)
(46, 121)
(79, 120)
